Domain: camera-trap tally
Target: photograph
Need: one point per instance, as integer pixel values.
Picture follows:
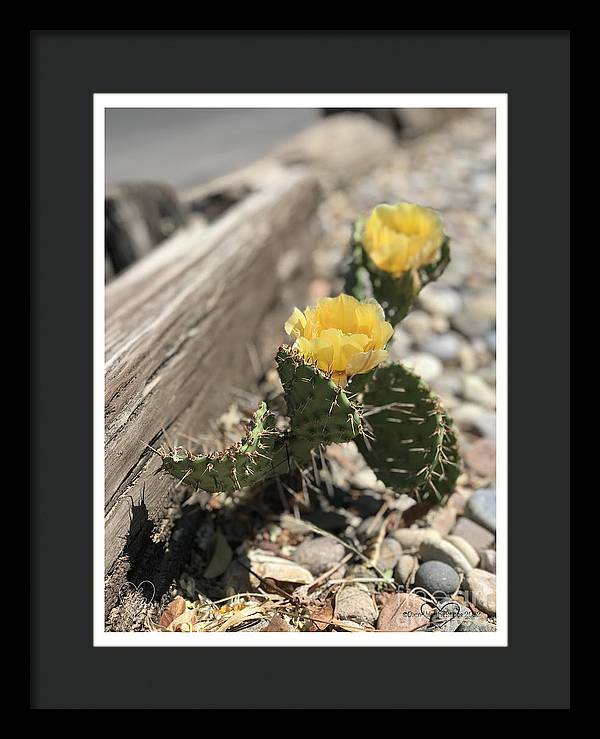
(300, 370)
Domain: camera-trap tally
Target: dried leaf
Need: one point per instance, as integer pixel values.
(172, 611)
(246, 614)
(277, 623)
(185, 622)
(323, 615)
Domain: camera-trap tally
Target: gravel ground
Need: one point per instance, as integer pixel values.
(326, 551)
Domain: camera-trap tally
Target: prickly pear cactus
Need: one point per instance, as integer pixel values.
(336, 388)
(409, 441)
(259, 455)
(395, 293)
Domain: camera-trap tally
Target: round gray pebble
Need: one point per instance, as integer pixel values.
(319, 555)
(437, 577)
(481, 508)
(443, 346)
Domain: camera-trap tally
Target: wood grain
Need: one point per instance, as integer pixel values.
(179, 328)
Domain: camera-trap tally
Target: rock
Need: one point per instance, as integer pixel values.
(448, 384)
(472, 417)
(478, 314)
(488, 560)
(401, 503)
(480, 588)
(355, 604)
(400, 344)
(425, 365)
(418, 325)
(366, 479)
(412, 538)
(443, 551)
(476, 390)
(490, 340)
(480, 457)
(369, 528)
(437, 577)
(267, 565)
(405, 569)
(442, 300)
(449, 615)
(488, 373)
(458, 499)
(389, 554)
(319, 555)
(481, 508)
(485, 423)
(463, 546)
(403, 612)
(294, 525)
(440, 324)
(484, 357)
(260, 625)
(464, 415)
(444, 519)
(443, 346)
(476, 624)
(467, 357)
(477, 536)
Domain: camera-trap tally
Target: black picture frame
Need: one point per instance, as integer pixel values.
(66, 68)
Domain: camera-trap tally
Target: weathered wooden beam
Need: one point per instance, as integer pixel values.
(180, 327)
(138, 216)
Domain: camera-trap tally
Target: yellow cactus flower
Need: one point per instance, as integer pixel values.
(402, 237)
(341, 336)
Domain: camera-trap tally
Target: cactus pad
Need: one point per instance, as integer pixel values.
(261, 454)
(409, 441)
(320, 411)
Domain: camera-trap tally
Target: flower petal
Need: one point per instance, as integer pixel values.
(366, 361)
(295, 324)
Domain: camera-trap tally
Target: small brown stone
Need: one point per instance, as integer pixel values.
(480, 457)
(444, 519)
(477, 536)
(481, 589)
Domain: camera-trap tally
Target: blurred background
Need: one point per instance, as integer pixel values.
(186, 147)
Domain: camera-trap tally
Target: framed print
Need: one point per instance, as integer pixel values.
(281, 396)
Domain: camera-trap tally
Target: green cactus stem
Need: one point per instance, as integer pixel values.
(409, 441)
(320, 413)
